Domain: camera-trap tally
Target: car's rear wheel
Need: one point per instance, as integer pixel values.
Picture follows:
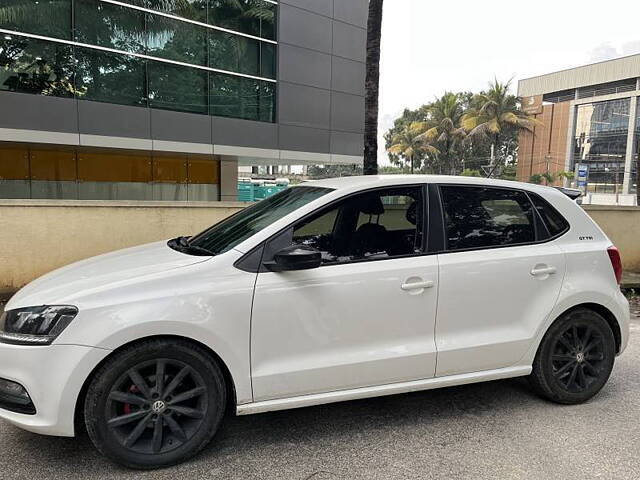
(155, 404)
(575, 358)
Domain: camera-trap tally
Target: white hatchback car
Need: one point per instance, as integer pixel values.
(328, 291)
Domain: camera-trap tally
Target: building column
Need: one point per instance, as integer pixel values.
(628, 161)
(568, 163)
(228, 179)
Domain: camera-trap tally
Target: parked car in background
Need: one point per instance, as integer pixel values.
(327, 291)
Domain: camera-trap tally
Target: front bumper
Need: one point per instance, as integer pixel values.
(53, 376)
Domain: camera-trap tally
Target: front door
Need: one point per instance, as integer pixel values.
(365, 317)
(499, 279)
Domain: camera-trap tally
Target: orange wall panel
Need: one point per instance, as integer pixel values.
(14, 163)
(204, 170)
(57, 165)
(113, 167)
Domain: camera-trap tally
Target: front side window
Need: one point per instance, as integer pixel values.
(243, 225)
(380, 224)
(478, 217)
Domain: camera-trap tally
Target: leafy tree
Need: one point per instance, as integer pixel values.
(411, 144)
(493, 114)
(446, 135)
(372, 87)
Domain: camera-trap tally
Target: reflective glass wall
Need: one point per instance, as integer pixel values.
(600, 141)
(215, 57)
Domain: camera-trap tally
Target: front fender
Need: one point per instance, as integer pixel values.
(209, 306)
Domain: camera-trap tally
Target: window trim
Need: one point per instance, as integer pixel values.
(538, 222)
(247, 261)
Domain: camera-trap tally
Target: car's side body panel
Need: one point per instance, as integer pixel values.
(490, 305)
(343, 326)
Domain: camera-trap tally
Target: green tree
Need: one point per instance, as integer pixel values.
(410, 144)
(445, 114)
(493, 115)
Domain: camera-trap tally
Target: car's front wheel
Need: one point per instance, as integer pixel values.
(155, 404)
(575, 357)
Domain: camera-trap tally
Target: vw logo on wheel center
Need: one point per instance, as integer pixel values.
(158, 406)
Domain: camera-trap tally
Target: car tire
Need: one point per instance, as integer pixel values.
(155, 403)
(575, 358)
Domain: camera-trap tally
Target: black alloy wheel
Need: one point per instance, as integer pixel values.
(575, 357)
(155, 404)
(578, 357)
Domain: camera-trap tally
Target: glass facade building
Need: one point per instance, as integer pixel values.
(600, 141)
(210, 57)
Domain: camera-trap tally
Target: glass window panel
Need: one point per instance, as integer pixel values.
(234, 53)
(268, 60)
(253, 17)
(477, 217)
(35, 66)
(109, 25)
(600, 118)
(109, 77)
(373, 225)
(192, 9)
(174, 87)
(50, 18)
(176, 40)
(242, 98)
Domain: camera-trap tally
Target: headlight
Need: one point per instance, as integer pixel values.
(35, 325)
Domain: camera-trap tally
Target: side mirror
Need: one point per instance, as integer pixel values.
(295, 257)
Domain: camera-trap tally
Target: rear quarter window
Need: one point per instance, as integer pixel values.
(556, 224)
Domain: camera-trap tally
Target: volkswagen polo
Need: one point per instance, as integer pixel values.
(328, 291)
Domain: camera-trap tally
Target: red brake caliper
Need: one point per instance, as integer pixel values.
(127, 406)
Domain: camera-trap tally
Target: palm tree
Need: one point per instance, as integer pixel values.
(445, 113)
(372, 86)
(411, 142)
(494, 112)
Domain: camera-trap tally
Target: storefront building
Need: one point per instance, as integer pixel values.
(589, 126)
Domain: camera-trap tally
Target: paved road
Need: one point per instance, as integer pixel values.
(493, 430)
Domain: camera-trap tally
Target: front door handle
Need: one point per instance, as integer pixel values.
(417, 285)
(543, 270)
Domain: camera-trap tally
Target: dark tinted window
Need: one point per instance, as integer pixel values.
(381, 224)
(253, 17)
(48, 18)
(34, 66)
(556, 224)
(110, 77)
(238, 97)
(176, 40)
(477, 217)
(243, 225)
(178, 88)
(109, 25)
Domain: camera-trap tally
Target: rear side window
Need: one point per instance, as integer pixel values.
(555, 223)
(479, 217)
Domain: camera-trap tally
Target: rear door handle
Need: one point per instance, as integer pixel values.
(417, 285)
(543, 271)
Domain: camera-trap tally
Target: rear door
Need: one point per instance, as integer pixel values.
(499, 278)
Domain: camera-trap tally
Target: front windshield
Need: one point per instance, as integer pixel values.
(246, 223)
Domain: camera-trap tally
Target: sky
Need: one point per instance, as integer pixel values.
(429, 47)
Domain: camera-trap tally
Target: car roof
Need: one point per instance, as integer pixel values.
(373, 181)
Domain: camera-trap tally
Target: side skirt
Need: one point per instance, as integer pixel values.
(380, 390)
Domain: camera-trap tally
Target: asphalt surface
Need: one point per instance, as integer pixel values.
(492, 430)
